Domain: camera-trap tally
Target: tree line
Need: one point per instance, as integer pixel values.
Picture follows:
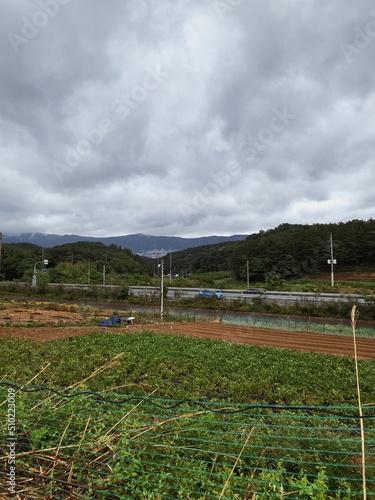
(291, 250)
(71, 262)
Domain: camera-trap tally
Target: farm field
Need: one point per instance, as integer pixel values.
(300, 341)
(182, 409)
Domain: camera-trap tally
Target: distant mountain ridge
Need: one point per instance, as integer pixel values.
(141, 244)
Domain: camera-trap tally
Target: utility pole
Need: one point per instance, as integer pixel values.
(162, 290)
(247, 274)
(1, 239)
(332, 261)
(170, 265)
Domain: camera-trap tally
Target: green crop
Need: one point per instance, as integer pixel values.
(182, 367)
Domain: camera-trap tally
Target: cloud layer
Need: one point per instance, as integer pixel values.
(183, 117)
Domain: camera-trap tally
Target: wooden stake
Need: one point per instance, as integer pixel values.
(353, 317)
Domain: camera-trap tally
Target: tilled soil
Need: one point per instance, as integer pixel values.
(301, 341)
(51, 316)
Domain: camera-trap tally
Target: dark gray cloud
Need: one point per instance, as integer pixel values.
(184, 117)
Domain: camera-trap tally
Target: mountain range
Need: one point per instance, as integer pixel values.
(141, 244)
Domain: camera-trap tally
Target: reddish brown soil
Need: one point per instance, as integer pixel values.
(302, 341)
(21, 314)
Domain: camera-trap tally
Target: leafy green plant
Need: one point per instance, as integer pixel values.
(188, 367)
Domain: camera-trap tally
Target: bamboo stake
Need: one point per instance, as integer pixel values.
(56, 460)
(172, 419)
(35, 452)
(250, 487)
(78, 449)
(112, 362)
(235, 464)
(353, 317)
(29, 382)
(129, 412)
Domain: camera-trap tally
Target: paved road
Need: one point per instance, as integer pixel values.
(269, 296)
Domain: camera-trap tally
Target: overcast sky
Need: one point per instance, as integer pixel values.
(185, 117)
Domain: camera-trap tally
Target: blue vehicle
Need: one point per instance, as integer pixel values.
(212, 294)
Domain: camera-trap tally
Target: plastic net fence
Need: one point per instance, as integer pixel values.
(62, 444)
(289, 324)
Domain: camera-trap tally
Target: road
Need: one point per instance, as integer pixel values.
(269, 296)
(228, 294)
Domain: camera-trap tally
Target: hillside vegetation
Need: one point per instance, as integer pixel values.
(73, 263)
(288, 252)
(291, 250)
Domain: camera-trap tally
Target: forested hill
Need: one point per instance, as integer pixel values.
(141, 244)
(292, 250)
(71, 261)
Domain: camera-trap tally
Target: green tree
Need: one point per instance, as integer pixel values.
(273, 281)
